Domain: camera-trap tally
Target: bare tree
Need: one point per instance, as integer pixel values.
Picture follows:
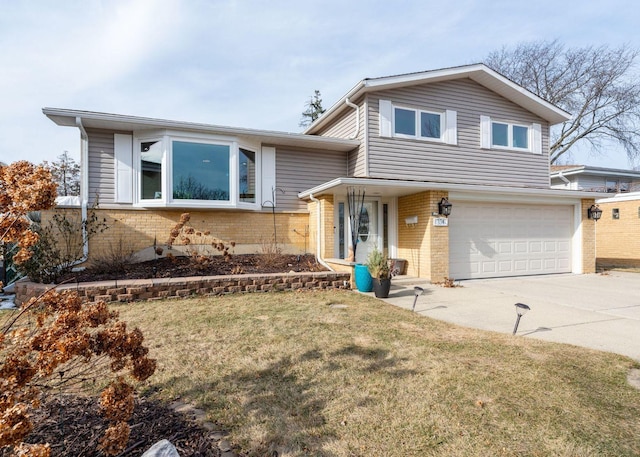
(66, 174)
(597, 85)
(314, 109)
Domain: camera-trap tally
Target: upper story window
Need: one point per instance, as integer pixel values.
(495, 134)
(407, 122)
(509, 135)
(416, 123)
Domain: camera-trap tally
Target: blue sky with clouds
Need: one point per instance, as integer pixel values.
(253, 63)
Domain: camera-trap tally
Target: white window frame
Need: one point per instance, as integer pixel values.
(418, 115)
(534, 135)
(167, 201)
(387, 122)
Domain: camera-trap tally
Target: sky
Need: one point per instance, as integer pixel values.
(254, 63)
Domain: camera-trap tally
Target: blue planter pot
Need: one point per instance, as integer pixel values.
(364, 281)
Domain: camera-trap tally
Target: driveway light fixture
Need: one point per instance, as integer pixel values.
(444, 207)
(417, 291)
(521, 309)
(594, 212)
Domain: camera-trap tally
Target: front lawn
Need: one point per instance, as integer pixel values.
(294, 373)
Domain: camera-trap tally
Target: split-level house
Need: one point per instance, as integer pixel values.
(412, 144)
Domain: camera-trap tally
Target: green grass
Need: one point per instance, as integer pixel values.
(287, 372)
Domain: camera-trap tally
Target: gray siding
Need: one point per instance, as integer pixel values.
(599, 183)
(301, 169)
(101, 165)
(466, 162)
(344, 127)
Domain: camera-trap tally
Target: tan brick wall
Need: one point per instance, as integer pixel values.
(588, 238)
(618, 240)
(327, 221)
(424, 246)
(250, 230)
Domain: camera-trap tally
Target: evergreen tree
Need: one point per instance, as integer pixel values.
(66, 174)
(314, 110)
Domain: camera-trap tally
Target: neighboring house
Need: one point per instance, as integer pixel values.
(597, 179)
(618, 231)
(466, 134)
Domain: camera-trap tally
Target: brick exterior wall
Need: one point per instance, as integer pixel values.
(252, 231)
(588, 238)
(424, 246)
(149, 289)
(327, 220)
(618, 240)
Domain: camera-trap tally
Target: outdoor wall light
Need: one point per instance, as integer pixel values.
(594, 212)
(521, 309)
(444, 207)
(417, 291)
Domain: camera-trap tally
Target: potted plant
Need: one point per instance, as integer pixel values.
(378, 265)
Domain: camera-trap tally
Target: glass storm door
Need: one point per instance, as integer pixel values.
(368, 235)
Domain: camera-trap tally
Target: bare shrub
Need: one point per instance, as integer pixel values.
(200, 245)
(270, 252)
(115, 258)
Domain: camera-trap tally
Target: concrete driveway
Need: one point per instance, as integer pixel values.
(594, 311)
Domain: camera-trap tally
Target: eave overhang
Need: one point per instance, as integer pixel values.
(397, 188)
(119, 122)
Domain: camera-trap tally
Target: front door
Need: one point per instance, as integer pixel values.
(368, 235)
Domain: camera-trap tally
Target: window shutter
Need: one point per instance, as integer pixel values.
(268, 175)
(451, 127)
(386, 115)
(536, 140)
(485, 132)
(123, 167)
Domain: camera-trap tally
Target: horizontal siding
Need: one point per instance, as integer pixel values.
(299, 170)
(101, 165)
(344, 127)
(466, 162)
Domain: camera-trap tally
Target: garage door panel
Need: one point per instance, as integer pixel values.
(495, 240)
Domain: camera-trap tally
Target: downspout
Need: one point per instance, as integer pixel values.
(84, 188)
(561, 176)
(357, 108)
(319, 235)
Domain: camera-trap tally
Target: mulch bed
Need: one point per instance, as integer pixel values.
(176, 267)
(73, 427)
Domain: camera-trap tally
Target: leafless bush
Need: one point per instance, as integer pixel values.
(115, 258)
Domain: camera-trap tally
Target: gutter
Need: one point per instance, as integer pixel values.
(84, 188)
(318, 236)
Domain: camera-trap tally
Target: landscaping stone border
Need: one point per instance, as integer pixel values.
(157, 288)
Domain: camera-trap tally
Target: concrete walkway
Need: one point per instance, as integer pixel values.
(594, 311)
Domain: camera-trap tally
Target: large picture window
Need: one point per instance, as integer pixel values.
(200, 171)
(197, 172)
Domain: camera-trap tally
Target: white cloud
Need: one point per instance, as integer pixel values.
(246, 63)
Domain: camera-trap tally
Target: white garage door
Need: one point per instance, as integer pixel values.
(488, 240)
